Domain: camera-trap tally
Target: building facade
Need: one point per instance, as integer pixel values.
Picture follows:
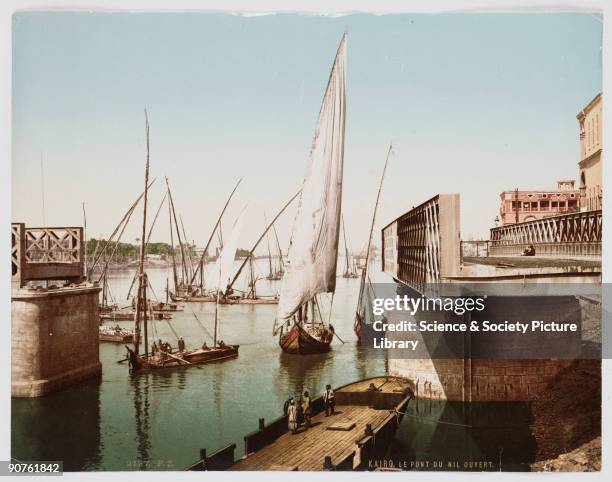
(518, 206)
(591, 146)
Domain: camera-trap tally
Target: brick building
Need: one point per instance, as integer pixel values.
(518, 206)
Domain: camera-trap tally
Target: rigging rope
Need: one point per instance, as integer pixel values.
(201, 325)
(433, 421)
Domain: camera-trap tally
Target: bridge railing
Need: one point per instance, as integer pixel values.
(46, 253)
(572, 234)
(423, 245)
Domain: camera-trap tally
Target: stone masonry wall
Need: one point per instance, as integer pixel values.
(54, 339)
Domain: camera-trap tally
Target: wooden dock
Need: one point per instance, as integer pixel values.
(363, 425)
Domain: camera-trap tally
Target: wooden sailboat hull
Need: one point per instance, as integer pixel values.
(184, 359)
(249, 301)
(357, 329)
(192, 298)
(129, 315)
(305, 341)
(112, 338)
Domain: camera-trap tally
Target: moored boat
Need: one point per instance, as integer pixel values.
(367, 415)
(306, 340)
(115, 334)
(365, 287)
(313, 250)
(167, 359)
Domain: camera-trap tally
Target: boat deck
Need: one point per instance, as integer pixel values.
(306, 450)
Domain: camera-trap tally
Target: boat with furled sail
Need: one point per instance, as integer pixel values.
(115, 334)
(313, 250)
(163, 357)
(365, 288)
(350, 268)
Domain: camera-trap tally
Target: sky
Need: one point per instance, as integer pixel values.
(474, 104)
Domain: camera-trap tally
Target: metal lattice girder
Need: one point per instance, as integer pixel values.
(422, 246)
(579, 230)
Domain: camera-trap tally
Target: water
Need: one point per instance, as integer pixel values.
(160, 420)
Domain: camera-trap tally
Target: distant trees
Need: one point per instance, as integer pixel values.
(132, 250)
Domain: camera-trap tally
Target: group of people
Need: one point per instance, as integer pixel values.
(162, 347)
(302, 411)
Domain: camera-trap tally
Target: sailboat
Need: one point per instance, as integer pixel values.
(165, 358)
(365, 297)
(275, 263)
(196, 291)
(350, 270)
(313, 250)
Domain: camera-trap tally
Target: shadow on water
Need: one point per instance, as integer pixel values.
(439, 435)
(48, 428)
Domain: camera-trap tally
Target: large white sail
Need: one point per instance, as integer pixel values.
(313, 250)
(224, 268)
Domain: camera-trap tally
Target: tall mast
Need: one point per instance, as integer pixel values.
(367, 257)
(176, 286)
(142, 277)
(252, 250)
(280, 252)
(200, 266)
(271, 275)
(178, 233)
(346, 252)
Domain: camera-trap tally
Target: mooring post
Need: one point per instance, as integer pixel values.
(368, 430)
(327, 463)
(262, 424)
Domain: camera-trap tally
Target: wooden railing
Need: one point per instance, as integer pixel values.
(46, 253)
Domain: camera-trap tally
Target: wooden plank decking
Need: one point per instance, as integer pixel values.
(306, 450)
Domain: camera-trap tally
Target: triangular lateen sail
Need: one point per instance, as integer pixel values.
(313, 250)
(224, 268)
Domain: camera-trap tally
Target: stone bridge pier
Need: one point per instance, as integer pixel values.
(421, 252)
(54, 312)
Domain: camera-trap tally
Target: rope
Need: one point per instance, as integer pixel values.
(201, 324)
(168, 321)
(432, 421)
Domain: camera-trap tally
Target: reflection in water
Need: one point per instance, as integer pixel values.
(47, 428)
(165, 417)
(456, 434)
(140, 385)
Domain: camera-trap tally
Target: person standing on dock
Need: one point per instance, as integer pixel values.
(292, 416)
(329, 400)
(306, 409)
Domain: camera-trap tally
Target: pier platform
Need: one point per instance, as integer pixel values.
(346, 438)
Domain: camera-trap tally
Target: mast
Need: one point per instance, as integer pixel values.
(142, 287)
(271, 274)
(178, 233)
(190, 265)
(346, 251)
(123, 221)
(367, 257)
(200, 266)
(313, 250)
(176, 286)
(281, 268)
(252, 250)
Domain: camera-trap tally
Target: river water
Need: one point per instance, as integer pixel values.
(160, 420)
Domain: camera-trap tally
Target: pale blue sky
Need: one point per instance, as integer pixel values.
(474, 103)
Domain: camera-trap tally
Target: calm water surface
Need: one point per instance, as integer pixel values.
(165, 417)
(160, 420)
